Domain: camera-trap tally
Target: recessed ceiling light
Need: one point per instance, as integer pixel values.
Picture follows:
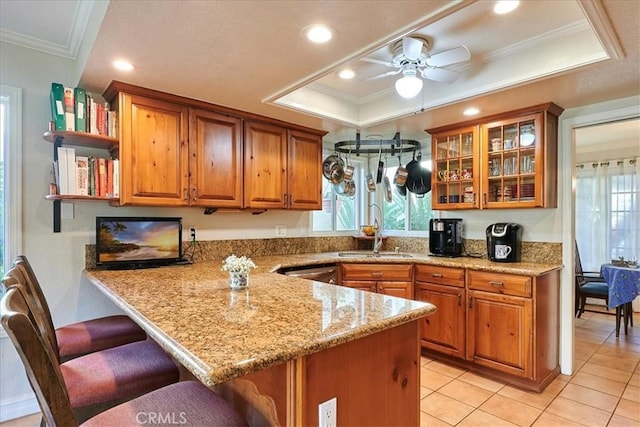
(319, 33)
(472, 111)
(123, 65)
(505, 6)
(346, 74)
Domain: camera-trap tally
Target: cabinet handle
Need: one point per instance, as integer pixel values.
(373, 288)
(291, 198)
(484, 199)
(186, 193)
(194, 193)
(332, 282)
(470, 302)
(377, 274)
(436, 275)
(459, 300)
(286, 199)
(496, 284)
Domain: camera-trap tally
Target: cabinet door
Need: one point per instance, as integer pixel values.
(361, 285)
(153, 152)
(304, 165)
(456, 170)
(215, 159)
(499, 332)
(265, 163)
(443, 330)
(396, 289)
(514, 157)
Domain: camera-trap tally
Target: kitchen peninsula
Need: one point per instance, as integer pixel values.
(291, 343)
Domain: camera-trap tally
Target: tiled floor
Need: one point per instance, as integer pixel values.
(604, 391)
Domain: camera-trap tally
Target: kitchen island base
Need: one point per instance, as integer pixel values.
(375, 380)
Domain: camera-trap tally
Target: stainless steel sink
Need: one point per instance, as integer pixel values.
(372, 255)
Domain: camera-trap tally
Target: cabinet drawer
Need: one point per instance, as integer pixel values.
(441, 275)
(507, 284)
(377, 272)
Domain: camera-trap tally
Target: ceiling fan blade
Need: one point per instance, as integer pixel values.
(440, 75)
(378, 61)
(451, 56)
(411, 48)
(380, 76)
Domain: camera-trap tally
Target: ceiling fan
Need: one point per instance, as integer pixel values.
(411, 56)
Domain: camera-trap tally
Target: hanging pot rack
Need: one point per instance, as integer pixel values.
(375, 146)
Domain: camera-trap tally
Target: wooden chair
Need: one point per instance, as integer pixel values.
(589, 284)
(187, 403)
(100, 380)
(82, 337)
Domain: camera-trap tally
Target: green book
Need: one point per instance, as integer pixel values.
(57, 105)
(80, 99)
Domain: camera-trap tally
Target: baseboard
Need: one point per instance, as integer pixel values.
(17, 407)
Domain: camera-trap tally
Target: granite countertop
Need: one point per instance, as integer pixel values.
(276, 262)
(219, 334)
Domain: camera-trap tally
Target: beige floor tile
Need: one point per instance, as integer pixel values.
(445, 408)
(433, 380)
(632, 393)
(537, 400)
(424, 392)
(482, 382)
(618, 421)
(628, 409)
(609, 372)
(550, 420)
(448, 370)
(578, 412)
(511, 410)
(591, 397)
(424, 360)
(427, 420)
(466, 393)
(481, 419)
(623, 362)
(598, 383)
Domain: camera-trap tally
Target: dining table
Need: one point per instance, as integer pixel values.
(624, 287)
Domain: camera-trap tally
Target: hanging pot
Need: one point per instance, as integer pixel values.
(419, 178)
(329, 163)
(387, 189)
(380, 166)
(400, 177)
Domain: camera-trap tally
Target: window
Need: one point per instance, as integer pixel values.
(10, 173)
(607, 212)
(407, 211)
(340, 212)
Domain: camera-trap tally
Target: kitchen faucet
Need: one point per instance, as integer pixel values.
(377, 227)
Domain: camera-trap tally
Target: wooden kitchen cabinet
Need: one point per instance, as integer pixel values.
(282, 168)
(444, 330)
(512, 326)
(389, 279)
(514, 162)
(154, 168)
(455, 177)
(215, 159)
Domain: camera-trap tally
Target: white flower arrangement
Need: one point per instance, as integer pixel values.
(238, 264)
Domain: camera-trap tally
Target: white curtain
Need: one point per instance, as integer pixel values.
(608, 211)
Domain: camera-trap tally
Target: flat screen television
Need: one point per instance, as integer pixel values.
(138, 242)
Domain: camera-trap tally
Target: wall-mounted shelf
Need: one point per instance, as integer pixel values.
(79, 139)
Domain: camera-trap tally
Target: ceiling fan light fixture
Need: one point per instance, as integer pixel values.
(409, 85)
(505, 6)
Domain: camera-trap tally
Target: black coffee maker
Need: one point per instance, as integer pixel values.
(504, 241)
(445, 237)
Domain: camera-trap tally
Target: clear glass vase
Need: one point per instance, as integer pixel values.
(238, 280)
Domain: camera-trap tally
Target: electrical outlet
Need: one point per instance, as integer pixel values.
(281, 230)
(328, 413)
(192, 234)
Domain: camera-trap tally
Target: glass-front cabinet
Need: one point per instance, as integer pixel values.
(512, 157)
(508, 160)
(454, 179)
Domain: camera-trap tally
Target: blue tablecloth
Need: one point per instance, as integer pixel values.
(623, 282)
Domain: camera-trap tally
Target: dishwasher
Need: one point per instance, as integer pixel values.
(327, 273)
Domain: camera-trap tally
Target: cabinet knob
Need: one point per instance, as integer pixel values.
(377, 274)
(285, 197)
(194, 193)
(436, 275)
(291, 198)
(470, 302)
(496, 284)
(186, 193)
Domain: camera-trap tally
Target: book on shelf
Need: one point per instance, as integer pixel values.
(61, 167)
(93, 115)
(71, 171)
(69, 109)
(102, 176)
(92, 176)
(82, 175)
(57, 105)
(80, 110)
(116, 178)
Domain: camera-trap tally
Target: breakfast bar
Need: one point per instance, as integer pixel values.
(282, 346)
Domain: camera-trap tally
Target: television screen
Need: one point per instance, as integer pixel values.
(138, 242)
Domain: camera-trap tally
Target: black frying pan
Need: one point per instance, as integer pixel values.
(418, 178)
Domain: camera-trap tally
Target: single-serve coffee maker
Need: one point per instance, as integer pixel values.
(504, 241)
(445, 237)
